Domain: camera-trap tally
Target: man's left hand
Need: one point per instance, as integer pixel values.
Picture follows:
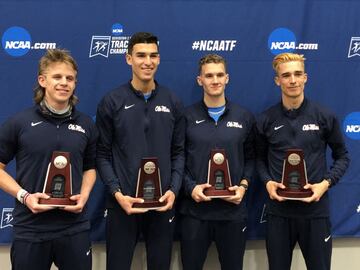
(239, 194)
(318, 190)
(79, 206)
(169, 198)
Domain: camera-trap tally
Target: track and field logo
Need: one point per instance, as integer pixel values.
(351, 125)
(354, 47)
(114, 44)
(6, 218)
(100, 45)
(17, 41)
(283, 40)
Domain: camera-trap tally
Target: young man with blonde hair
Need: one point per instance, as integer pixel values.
(48, 234)
(296, 122)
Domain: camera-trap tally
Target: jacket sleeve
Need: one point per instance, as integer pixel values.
(339, 152)
(103, 150)
(261, 151)
(249, 152)
(90, 151)
(177, 149)
(8, 141)
(189, 183)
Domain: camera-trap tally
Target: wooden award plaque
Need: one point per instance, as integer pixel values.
(149, 184)
(294, 176)
(218, 175)
(58, 181)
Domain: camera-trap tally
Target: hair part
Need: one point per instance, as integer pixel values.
(141, 37)
(287, 57)
(211, 58)
(53, 56)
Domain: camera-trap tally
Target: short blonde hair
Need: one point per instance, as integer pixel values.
(287, 57)
(54, 56)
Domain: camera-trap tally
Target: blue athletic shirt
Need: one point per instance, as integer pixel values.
(216, 112)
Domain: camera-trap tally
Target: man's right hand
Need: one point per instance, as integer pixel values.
(272, 187)
(32, 202)
(126, 203)
(198, 193)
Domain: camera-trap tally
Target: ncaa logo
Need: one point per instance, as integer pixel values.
(351, 125)
(281, 40)
(117, 29)
(16, 41)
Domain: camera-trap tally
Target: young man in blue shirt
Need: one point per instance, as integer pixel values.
(215, 123)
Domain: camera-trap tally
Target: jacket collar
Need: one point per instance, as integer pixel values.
(140, 94)
(74, 114)
(293, 113)
(203, 105)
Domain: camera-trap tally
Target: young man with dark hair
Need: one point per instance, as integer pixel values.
(215, 123)
(46, 234)
(140, 119)
(296, 122)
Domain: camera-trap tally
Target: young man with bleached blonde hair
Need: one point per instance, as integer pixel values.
(297, 122)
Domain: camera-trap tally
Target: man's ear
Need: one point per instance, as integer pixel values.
(199, 81)
(276, 80)
(306, 77)
(128, 59)
(42, 80)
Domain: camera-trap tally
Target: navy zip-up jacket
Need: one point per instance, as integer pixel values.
(31, 136)
(233, 132)
(311, 128)
(131, 128)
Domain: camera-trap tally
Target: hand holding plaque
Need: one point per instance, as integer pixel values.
(58, 181)
(218, 176)
(294, 176)
(149, 185)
